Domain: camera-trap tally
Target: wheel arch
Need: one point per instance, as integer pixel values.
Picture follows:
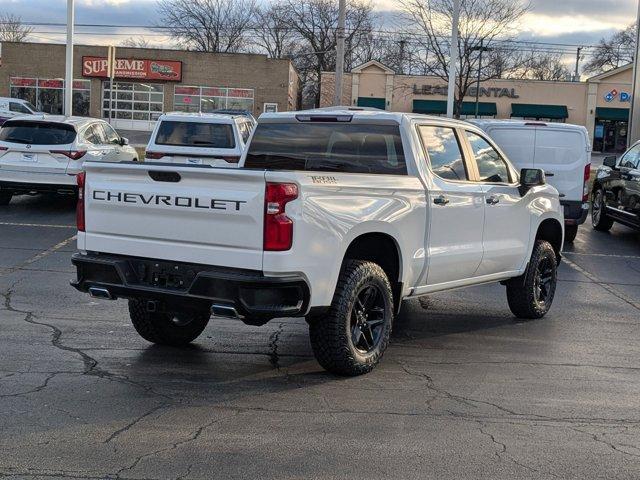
(551, 230)
(382, 249)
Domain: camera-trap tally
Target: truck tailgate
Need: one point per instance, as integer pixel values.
(182, 213)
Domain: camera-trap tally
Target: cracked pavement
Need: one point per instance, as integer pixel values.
(464, 391)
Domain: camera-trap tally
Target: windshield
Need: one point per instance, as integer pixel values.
(339, 147)
(37, 133)
(195, 134)
(30, 106)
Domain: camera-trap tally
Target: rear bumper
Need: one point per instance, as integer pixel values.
(176, 285)
(26, 182)
(575, 212)
(20, 188)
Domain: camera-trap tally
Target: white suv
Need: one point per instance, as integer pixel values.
(199, 139)
(44, 153)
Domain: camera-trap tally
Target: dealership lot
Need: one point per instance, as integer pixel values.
(465, 391)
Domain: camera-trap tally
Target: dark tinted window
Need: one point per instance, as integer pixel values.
(491, 166)
(631, 158)
(445, 154)
(196, 134)
(329, 147)
(37, 133)
(18, 107)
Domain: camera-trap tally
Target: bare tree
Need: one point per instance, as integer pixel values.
(612, 52)
(207, 25)
(544, 66)
(315, 23)
(273, 33)
(136, 42)
(483, 24)
(12, 29)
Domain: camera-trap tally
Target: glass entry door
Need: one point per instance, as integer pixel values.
(132, 105)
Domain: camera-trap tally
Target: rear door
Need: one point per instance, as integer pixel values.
(33, 146)
(183, 213)
(563, 154)
(629, 205)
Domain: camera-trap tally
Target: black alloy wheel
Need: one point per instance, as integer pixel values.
(368, 318)
(544, 281)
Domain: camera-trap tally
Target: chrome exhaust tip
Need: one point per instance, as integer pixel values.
(225, 311)
(102, 293)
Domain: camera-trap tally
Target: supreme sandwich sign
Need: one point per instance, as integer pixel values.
(141, 69)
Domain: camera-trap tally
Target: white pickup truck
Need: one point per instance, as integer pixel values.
(335, 215)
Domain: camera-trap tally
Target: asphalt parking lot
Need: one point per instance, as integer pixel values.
(464, 392)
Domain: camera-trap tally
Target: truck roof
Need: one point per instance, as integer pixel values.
(485, 123)
(358, 113)
(200, 117)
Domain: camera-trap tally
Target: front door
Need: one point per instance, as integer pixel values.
(507, 221)
(456, 208)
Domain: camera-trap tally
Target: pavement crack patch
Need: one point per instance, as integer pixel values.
(274, 358)
(621, 448)
(133, 423)
(502, 446)
(193, 437)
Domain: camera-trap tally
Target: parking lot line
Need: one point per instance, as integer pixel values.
(613, 291)
(609, 255)
(16, 224)
(40, 255)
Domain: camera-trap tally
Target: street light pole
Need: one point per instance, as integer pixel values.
(453, 58)
(340, 52)
(634, 122)
(68, 77)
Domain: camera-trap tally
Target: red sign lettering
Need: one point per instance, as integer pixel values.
(133, 68)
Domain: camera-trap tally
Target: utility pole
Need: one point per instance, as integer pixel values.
(403, 44)
(340, 34)
(634, 122)
(68, 77)
(480, 48)
(453, 58)
(576, 75)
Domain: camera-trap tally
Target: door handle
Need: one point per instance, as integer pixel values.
(493, 200)
(441, 200)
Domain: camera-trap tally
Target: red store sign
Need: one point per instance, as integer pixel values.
(134, 68)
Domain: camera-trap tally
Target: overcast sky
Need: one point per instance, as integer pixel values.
(566, 21)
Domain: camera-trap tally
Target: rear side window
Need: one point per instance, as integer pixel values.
(327, 147)
(195, 134)
(445, 154)
(94, 134)
(18, 107)
(37, 133)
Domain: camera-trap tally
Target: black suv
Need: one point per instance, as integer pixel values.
(616, 191)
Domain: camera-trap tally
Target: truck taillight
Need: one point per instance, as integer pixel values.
(585, 185)
(80, 207)
(278, 228)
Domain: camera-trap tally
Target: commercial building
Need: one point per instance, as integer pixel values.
(148, 81)
(601, 103)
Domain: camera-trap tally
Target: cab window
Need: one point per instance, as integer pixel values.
(18, 108)
(491, 166)
(443, 150)
(93, 134)
(630, 159)
(110, 134)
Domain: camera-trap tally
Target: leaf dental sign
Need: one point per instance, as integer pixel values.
(133, 68)
(495, 92)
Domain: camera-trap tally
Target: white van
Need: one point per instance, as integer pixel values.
(13, 107)
(199, 139)
(562, 150)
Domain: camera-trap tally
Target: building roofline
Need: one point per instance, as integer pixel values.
(610, 73)
(359, 68)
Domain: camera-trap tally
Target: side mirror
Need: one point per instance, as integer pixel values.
(124, 141)
(531, 177)
(610, 161)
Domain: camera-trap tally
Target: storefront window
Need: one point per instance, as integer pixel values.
(208, 99)
(133, 101)
(47, 94)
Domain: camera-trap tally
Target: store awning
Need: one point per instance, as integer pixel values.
(372, 102)
(433, 107)
(615, 114)
(485, 109)
(529, 110)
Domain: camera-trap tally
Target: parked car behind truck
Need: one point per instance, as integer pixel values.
(562, 150)
(337, 216)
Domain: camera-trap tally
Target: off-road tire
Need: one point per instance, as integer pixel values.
(521, 291)
(5, 198)
(570, 232)
(160, 328)
(330, 335)
(603, 223)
